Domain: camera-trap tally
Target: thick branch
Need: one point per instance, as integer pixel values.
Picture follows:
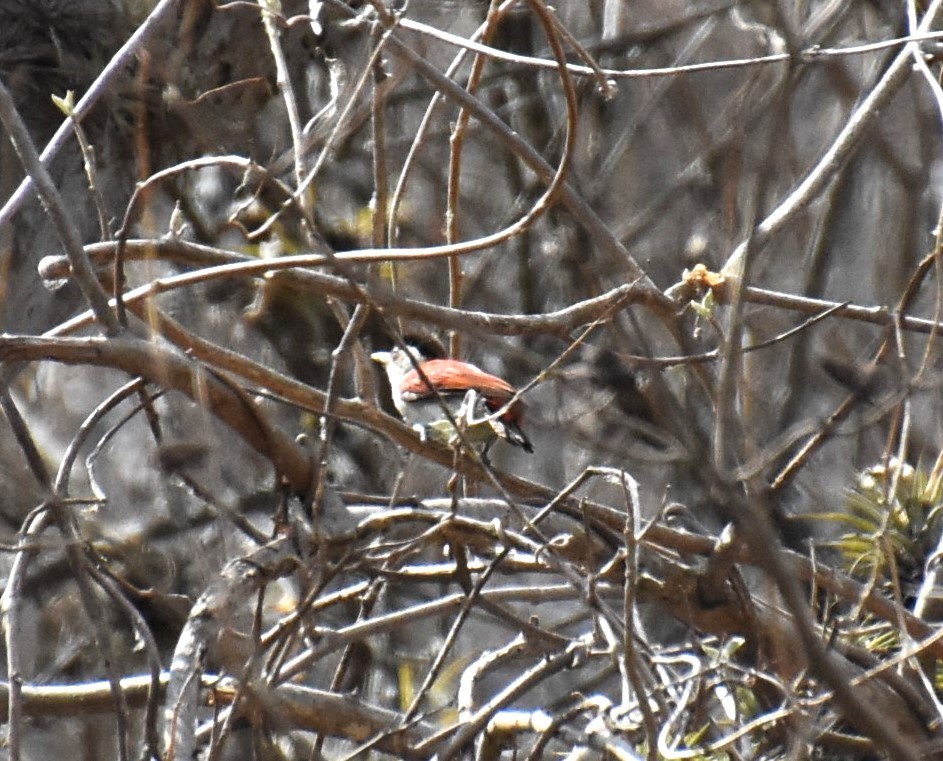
(173, 371)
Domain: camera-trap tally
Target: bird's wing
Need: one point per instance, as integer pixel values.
(449, 375)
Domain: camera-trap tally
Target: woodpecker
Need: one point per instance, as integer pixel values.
(472, 395)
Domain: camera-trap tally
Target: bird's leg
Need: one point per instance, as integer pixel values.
(484, 452)
(469, 406)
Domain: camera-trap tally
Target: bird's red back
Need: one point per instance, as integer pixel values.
(451, 375)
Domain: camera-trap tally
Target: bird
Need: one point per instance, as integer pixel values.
(473, 396)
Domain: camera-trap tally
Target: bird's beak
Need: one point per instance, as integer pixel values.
(383, 357)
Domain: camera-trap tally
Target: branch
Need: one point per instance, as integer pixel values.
(838, 153)
(98, 88)
(170, 370)
(219, 264)
(302, 708)
(55, 207)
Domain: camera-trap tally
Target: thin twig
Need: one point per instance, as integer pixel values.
(55, 207)
(838, 152)
(815, 54)
(268, 9)
(453, 197)
(119, 61)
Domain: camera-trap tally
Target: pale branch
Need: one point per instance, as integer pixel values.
(217, 263)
